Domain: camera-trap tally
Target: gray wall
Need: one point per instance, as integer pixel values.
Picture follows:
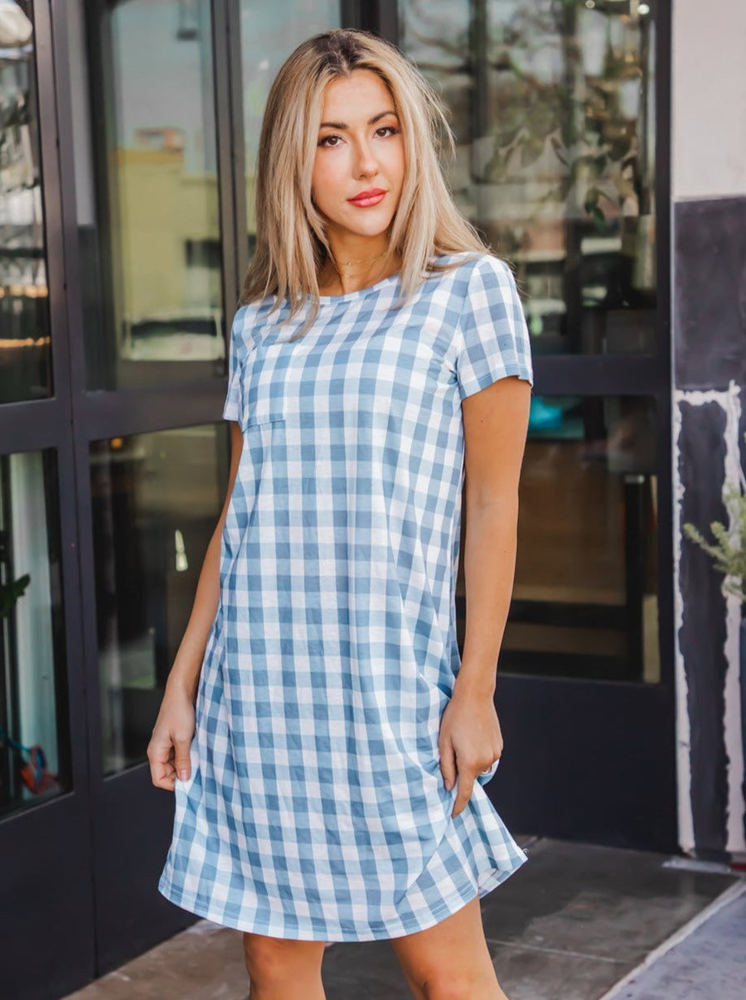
(709, 368)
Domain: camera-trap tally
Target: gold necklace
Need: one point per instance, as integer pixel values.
(363, 260)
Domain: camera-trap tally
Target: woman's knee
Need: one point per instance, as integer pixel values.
(461, 987)
(275, 960)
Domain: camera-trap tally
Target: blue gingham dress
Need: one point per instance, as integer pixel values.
(315, 808)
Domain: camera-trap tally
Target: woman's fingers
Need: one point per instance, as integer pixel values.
(465, 789)
(464, 774)
(182, 762)
(452, 773)
(447, 765)
(160, 756)
(168, 750)
(165, 777)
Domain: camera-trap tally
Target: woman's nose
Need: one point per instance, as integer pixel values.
(366, 164)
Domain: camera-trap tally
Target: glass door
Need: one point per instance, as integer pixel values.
(558, 111)
(152, 287)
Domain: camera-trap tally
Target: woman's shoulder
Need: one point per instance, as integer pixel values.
(249, 314)
(463, 264)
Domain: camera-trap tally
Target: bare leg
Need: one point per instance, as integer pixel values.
(450, 959)
(280, 969)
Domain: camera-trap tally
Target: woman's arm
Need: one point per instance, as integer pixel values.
(495, 428)
(188, 661)
(168, 750)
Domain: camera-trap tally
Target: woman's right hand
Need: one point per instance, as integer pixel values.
(168, 750)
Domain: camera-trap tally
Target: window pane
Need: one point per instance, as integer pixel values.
(588, 488)
(34, 763)
(269, 33)
(554, 113)
(25, 357)
(156, 500)
(150, 244)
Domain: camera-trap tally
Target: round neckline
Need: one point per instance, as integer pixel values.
(348, 296)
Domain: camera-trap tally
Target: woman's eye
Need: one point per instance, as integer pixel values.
(331, 141)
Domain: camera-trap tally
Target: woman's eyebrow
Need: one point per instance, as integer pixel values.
(371, 121)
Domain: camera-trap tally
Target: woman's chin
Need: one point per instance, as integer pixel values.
(370, 228)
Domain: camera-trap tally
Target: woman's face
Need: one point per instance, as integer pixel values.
(359, 153)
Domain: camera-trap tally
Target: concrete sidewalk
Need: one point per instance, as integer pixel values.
(577, 922)
(706, 958)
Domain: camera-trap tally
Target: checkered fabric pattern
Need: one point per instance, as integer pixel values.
(315, 808)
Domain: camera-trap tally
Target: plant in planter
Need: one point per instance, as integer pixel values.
(728, 553)
(728, 550)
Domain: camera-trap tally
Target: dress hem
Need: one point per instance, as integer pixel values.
(454, 903)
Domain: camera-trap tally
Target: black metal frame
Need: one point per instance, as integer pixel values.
(83, 865)
(46, 882)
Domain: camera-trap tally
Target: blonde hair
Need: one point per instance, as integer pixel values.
(291, 241)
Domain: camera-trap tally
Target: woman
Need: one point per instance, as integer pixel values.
(325, 778)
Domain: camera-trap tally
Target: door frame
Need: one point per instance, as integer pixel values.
(46, 881)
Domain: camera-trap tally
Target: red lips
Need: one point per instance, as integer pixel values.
(372, 196)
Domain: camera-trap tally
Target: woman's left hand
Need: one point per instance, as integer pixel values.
(469, 742)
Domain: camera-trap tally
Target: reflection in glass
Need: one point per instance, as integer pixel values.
(33, 764)
(25, 359)
(585, 596)
(553, 107)
(269, 33)
(153, 146)
(156, 500)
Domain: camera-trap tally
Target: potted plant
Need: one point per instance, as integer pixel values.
(728, 553)
(728, 550)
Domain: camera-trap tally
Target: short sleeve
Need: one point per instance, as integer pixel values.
(493, 335)
(232, 407)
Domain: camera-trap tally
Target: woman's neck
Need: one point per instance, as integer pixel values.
(353, 267)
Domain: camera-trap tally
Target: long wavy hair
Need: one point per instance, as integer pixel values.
(291, 243)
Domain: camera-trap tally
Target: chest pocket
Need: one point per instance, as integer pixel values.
(260, 419)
